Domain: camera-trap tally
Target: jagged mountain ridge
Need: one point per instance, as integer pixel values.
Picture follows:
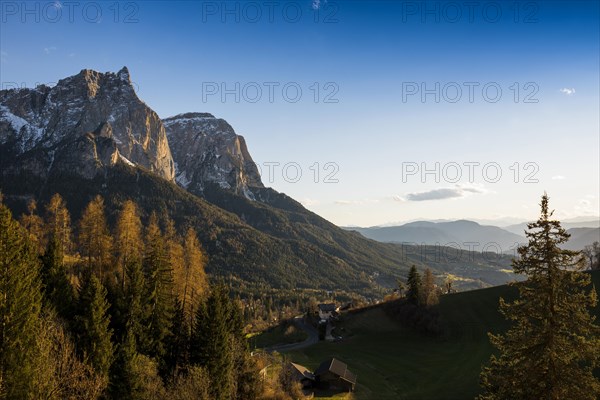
(88, 121)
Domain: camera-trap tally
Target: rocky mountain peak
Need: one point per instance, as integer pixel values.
(49, 118)
(207, 150)
(92, 120)
(91, 83)
(124, 74)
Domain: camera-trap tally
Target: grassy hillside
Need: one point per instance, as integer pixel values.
(393, 362)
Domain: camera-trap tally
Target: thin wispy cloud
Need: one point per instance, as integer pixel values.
(445, 193)
(48, 50)
(436, 194)
(568, 91)
(3, 57)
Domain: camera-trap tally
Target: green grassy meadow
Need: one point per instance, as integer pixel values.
(393, 362)
(281, 334)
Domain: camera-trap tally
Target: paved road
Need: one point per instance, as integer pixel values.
(313, 337)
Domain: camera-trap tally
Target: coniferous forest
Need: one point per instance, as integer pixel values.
(117, 312)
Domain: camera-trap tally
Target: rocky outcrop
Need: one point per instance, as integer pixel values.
(90, 121)
(207, 151)
(94, 120)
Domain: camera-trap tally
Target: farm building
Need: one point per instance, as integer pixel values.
(326, 311)
(300, 373)
(334, 374)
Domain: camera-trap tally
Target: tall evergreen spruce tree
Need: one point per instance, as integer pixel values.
(414, 286)
(93, 325)
(159, 294)
(554, 345)
(135, 303)
(124, 382)
(245, 374)
(57, 289)
(212, 343)
(177, 344)
(20, 307)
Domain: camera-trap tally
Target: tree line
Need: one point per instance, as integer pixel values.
(123, 312)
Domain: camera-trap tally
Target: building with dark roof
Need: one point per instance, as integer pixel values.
(334, 374)
(300, 373)
(328, 310)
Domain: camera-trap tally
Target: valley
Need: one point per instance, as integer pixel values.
(393, 361)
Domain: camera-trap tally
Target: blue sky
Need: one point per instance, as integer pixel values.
(361, 67)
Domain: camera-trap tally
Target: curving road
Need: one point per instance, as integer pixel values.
(313, 337)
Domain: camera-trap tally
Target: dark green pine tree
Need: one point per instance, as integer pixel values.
(125, 384)
(136, 304)
(177, 344)
(553, 346)
(212, 343)
(414, 286)
(58, 291)
(93, 325)
(246, 376)
(159, 292)
(129, 306)
(20, 307)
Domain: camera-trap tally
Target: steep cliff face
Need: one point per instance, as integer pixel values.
(207, 151)
(90, 121)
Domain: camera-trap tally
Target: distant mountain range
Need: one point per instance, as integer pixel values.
(90, 134)
(462, 233)
(471, 235)
(581, 237)
(521, 227)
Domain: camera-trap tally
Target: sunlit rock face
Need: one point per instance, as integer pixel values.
(87, 121)
(207, 151)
